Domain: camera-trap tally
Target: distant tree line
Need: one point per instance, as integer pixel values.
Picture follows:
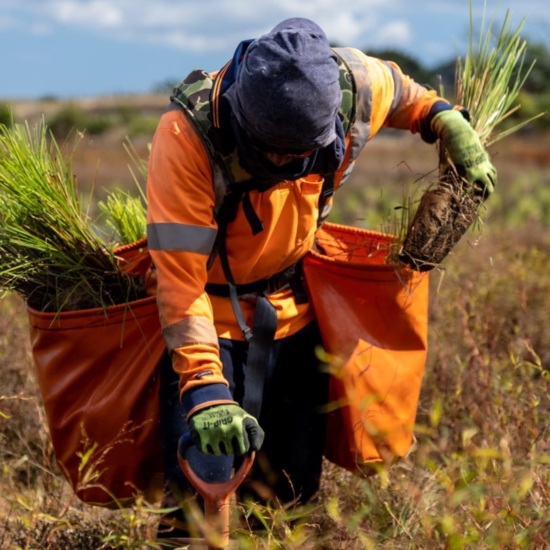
(538, 81)
(534, 99)
(535, 95)
(444, 73)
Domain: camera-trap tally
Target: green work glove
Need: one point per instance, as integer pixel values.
(465, 150)
(225, 429)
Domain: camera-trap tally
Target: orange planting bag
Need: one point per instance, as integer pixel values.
(374, 321)
(96, 369)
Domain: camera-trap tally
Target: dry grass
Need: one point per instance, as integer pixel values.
(32, 110)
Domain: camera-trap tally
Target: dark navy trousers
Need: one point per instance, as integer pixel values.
(288, 467)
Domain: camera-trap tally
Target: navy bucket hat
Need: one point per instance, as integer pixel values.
(287, 91)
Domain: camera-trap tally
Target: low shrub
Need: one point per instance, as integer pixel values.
(72, 118)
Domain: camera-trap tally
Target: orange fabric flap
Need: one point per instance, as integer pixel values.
(97, 374)
(373, 318)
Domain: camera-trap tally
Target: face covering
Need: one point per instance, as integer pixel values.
(322, 161)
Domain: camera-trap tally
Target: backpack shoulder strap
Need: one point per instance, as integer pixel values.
(347, 114)
(359, 88)
(347, 111)
(192, 96)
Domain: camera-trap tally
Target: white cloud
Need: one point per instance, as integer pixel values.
(397, 33)
(98, 13)
(208, 24)
(341, 25)
(218, 25)
(189, 41)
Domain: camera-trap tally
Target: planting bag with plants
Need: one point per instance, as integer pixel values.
(374, 320)
(96, 370)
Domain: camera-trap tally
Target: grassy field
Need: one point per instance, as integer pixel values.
(479, 475)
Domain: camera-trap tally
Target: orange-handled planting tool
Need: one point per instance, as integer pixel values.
(216, 500)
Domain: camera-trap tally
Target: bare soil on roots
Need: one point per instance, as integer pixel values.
(443, 216)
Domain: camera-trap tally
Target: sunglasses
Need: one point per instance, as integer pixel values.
(284, 151)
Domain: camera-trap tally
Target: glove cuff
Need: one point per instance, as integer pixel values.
(426, 130)
(200, 397)
(444, 120)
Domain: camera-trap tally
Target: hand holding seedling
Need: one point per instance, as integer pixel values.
(460, 144)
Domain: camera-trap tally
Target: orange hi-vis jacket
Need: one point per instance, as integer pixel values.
(183, 192)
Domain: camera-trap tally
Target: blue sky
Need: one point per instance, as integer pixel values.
(79, 48)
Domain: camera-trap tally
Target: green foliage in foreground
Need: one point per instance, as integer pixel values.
(6, 115)
(123, 214)
(479, 477)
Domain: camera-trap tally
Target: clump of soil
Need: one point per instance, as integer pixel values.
(443, 216)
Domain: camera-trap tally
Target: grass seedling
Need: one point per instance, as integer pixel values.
(487, 82)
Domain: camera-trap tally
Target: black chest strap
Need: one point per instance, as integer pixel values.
(288, 276)
(226, 214)
(263, 330)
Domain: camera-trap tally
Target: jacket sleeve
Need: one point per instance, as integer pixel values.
(398, 101)
(181, 231)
